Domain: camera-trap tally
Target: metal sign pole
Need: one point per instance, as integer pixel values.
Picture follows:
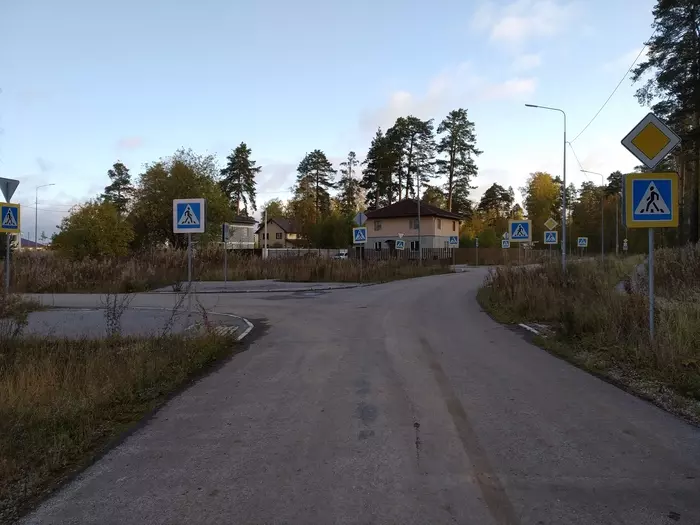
(651, 284)
(7, 264)
(189, 270)
(225, 238)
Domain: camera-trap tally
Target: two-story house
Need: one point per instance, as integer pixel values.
(281, 233)
(385, 224)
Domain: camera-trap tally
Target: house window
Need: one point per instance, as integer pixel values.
(415, 245)
(378, 245)
(278, 235)
(454, 226)
(412, 224)
(439, 224)
(377, 225)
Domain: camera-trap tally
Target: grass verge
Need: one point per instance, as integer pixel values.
(49, 272)
(63, 401)
(605, 331)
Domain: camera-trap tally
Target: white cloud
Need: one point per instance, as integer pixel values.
(522, 20)
(527, 61)
(449, 89)
(622, 63)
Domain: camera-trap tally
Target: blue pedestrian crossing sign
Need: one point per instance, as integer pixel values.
(582, 242)
(359, 235)
(454, 240)
(400, 244)
(9, 218)
(651, 200)
(505, 243)
(520, 230)
(189, 215)
(551, 237)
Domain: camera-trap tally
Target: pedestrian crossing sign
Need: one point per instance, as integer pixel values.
(189, 215)
(551, 237)
(520, 230)
(9, 218)
(582, 242)
(359, 235)
(651, 200)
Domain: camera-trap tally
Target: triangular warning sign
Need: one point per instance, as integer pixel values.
(188, 217)
(652, 203)
(9, 221)
(519, 232)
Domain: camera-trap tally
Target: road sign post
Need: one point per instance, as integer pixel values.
(651, 199)
(520, 230)
(189, 216)
(9, 223)
(359, 236)
(453, 243)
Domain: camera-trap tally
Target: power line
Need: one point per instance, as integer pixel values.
(613, 92)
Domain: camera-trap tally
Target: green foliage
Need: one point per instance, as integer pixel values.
(349, 194)
(413, 143)
(540, 195)
(238, 182)
(458, 144)
(435, 196)
(380, 163)
(94, 229)
(333, 231)
(120, 191)
(315, 177)
(275, 208)
(496, 203)
(183, 175)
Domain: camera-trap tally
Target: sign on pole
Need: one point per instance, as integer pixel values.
(400, 244)
(359, 235)
(625, 246)
(550, 224)
(651, 200)
(8, 187)
(520, 230)
(454, 241)
(505, 243)
(651, 140)
(360, 219)
(9, 218)
(189, 215)
(551, 237)
(582, 242)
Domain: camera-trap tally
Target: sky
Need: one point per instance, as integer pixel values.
(84, 84)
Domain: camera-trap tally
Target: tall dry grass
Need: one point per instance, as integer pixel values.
(61, 400)
(585, 310)
(46, 272)
(677, 272)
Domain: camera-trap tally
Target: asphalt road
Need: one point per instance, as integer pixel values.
(400, 403)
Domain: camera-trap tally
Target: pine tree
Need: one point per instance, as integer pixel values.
(120, 191)
(349, 195)
(458, 144)
(238, 181)
(673, 91)
(413, 142)
(314, 179)
(379, 165)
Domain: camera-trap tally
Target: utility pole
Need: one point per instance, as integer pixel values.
(36, 214)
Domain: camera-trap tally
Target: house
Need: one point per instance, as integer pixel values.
(32, 245)
(240, 233)
(385, 224)
(281, 233)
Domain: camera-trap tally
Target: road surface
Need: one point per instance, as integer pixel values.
(401, 403)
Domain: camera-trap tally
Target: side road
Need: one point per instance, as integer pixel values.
(396, 403)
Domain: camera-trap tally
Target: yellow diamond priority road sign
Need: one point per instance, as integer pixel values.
(651, 140)
(550, 224)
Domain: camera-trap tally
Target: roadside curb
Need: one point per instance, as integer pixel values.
(267, 290)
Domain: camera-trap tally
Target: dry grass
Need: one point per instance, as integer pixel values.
(677, 273)
(604, 329)
(46, 272)
(61, 401)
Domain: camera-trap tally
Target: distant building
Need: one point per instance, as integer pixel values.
(31, 245)
(240, 233)
(281, 233)
(385, 224)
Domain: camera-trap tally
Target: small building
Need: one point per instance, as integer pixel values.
(281, 233)
(385, 224)
(240, 233)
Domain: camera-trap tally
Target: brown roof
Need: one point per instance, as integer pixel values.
(409, 208)
(287, 225)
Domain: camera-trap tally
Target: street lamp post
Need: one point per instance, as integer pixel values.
(602, 212)
(36, 214)
(563, 193)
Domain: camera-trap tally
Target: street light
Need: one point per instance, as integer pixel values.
(36, 213)
(563, 192)
(602, 213)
